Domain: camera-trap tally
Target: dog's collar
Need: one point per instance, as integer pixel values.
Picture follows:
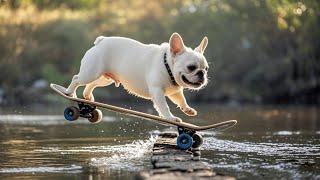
(173, 81)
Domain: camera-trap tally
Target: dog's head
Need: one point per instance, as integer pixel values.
(190, 67)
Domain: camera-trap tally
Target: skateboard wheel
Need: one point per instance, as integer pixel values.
(71, 113)
(184, 141)
(197, 140)
(96, 116)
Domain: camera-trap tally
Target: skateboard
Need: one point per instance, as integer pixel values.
(188, 136)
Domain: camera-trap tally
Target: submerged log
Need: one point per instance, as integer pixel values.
(169, 162)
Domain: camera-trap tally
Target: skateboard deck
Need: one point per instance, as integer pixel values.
(218, 126)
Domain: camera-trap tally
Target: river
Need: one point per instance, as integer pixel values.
(268, 142)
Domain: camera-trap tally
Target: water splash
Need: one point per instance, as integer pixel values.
(131, 157)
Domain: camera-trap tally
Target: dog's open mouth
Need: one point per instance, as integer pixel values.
(185, 80)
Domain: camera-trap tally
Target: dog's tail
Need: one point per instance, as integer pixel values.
(99, 39)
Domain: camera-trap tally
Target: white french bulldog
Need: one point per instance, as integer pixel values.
(146, 70)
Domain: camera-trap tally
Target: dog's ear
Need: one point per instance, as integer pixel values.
(176, 44)
(202, 46)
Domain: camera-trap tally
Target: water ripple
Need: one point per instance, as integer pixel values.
(254, 158)
(66, 169)
(43, 120)
(267, 149)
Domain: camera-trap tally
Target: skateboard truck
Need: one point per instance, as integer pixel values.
(85, 110)
(88, 111)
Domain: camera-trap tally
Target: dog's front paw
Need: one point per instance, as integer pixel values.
(174, 118)
(189, 111)
(89, 97)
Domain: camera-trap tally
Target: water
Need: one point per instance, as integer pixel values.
(268, 142)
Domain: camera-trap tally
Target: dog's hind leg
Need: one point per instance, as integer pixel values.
(81, 79)
(101, 82)
(70, 91)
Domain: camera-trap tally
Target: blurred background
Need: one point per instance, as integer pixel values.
(262, 52)
(264, 58)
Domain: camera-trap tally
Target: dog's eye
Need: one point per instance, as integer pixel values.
(192, 67)
(206, 68)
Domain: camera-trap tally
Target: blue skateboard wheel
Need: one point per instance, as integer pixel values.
(71, 113)
(184, 141)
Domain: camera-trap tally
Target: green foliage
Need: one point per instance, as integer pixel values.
(51, 4)
(259, 51)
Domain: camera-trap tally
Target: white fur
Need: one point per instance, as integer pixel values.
(141, 70)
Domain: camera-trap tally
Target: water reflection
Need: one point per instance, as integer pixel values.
(267, 142)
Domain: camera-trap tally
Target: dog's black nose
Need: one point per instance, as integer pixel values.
(200, 75)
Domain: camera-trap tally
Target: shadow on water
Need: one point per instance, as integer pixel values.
(268, 142)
